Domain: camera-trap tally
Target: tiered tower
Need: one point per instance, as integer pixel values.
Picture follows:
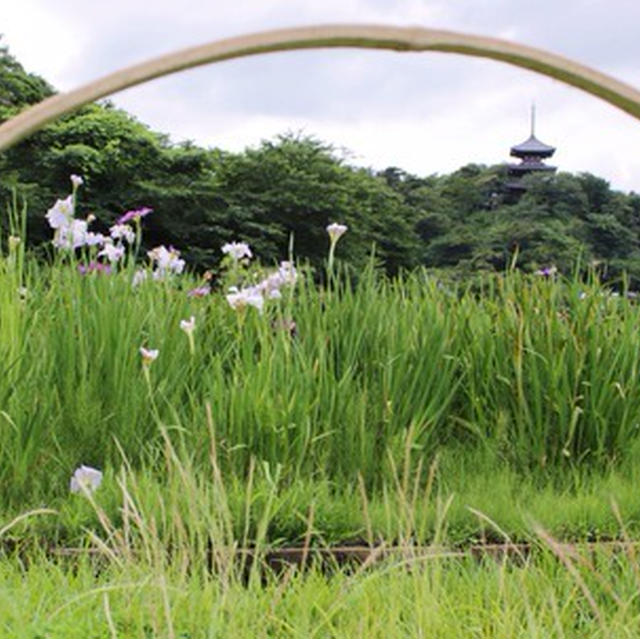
(531, 153)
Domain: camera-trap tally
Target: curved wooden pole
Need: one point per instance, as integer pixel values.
(362, 36)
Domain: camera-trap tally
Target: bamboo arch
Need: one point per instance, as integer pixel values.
(325, 36)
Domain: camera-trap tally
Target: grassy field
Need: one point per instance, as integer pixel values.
(405, 411)
(590, 596)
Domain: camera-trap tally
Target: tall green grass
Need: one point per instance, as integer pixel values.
(574, 596)
(529, 369)
(170, 562)
(382, 377)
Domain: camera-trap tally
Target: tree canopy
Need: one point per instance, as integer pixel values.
(293, 186)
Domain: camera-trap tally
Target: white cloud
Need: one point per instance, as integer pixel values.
(42, 40)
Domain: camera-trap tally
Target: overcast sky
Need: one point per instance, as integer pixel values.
(424, 112)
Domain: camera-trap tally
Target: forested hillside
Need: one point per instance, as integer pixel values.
(464, 222)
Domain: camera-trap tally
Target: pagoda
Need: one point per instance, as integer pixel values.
(531, 153)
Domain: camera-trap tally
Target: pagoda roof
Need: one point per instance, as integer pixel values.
(532, 146)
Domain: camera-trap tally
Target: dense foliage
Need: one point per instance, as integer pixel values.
(290, 188)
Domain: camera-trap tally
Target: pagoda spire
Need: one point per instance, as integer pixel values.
(533, 119)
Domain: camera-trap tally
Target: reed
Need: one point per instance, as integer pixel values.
(381, 376)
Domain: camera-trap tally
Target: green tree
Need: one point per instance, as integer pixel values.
(295, 187)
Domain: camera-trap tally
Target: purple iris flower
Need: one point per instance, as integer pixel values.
(94, 266)
(200, 291)
(134, 215)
